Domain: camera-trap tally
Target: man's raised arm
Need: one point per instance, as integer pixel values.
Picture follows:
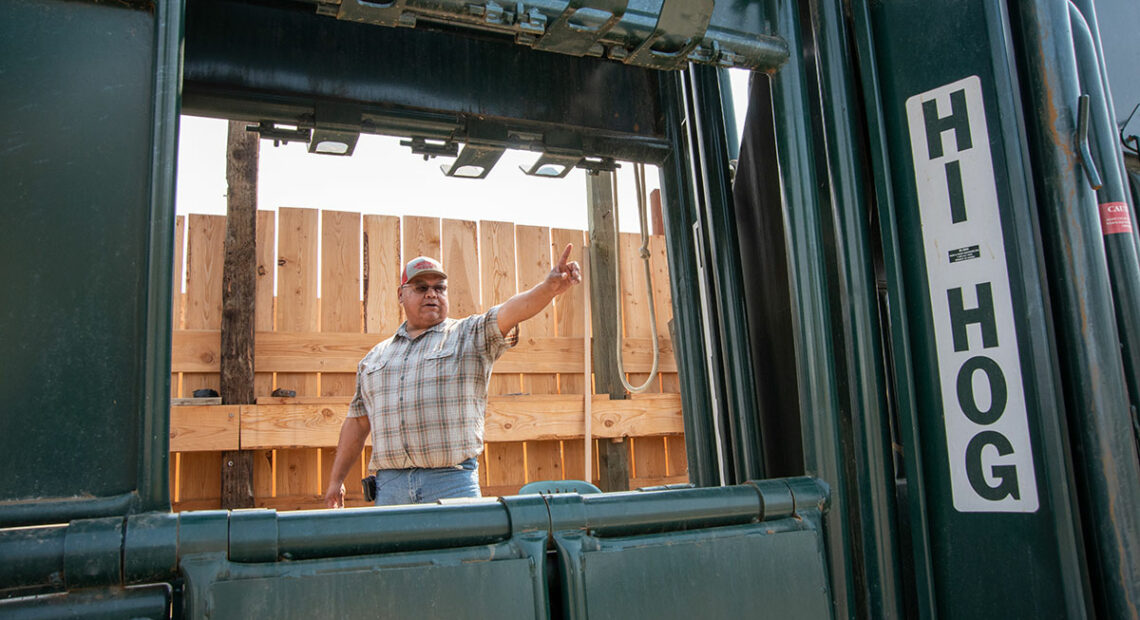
(529, 303)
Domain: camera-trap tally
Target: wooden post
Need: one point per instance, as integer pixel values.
(239, 279)
(655, 209)
(613, 455)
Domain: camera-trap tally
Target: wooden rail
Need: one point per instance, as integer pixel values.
(198, 351)
(315, 422)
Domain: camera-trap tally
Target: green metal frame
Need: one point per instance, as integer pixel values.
(679, 215)
(809, 282)
(863, 395)
(88, 342)
(1104, 453)
(718, 240)
(478, 559)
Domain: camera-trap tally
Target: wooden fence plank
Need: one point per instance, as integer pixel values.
(381, 275)
(297, 286)
(263, 320)
(299, 352)
(263, 482)
(340, 288)
(204, 287)
(499, 276)
(649, 457)
(506, 466)
(421, 238)
(176, 297)
(560, 416)
(569, 310)
(201, 479)
(635, 302)
(543, 458)
(533, 243)
(509, 418)
(646, 453)
(297, 471)
(505, 463)
(573, 460)
(677, 460)
(195, 429)
(292, 426)
(570, 317)
(663, 304)
(340, 310)
(460, 247)
(263, 293)
(200, 473)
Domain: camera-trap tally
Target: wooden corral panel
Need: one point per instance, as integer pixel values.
(337, 277)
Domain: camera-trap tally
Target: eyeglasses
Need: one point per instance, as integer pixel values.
(422, 289)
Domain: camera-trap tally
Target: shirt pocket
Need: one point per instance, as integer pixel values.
(442, 362)
(371, 384)
(372, 369)
(442, 352)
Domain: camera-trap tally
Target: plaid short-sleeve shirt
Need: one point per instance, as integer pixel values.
(426, 397)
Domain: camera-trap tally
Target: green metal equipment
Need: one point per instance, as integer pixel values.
(929, 240)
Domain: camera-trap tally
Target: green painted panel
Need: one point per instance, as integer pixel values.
(485, 582)
(743, 573)
(75, 161)
(477, 590)
(68, 239)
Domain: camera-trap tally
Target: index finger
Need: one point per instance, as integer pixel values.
(565, 254)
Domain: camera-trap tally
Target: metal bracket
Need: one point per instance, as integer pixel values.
(594, 165)
(474, 162)
(435, 148)
(680, 27)
(268, 130)
(552, 166)
(337, 128)
(390, 13)
(580, 27)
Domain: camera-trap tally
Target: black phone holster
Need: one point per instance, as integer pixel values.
(369, 488)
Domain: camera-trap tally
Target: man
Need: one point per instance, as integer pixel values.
(422, 393)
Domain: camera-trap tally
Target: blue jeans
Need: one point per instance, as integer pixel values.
(418, 486)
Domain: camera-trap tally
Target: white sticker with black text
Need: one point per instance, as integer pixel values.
(987, 428)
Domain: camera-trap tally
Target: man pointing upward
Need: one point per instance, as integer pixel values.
(423, 392)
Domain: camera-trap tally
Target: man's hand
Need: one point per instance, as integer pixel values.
(352, 435)
(565, 274)
(334, 497)
(527, 304)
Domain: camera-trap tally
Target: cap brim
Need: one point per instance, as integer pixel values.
(428, 272)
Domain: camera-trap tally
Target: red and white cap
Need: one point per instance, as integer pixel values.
(419, 266)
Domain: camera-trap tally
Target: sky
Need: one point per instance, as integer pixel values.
(382, 177)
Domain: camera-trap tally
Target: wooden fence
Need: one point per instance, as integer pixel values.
(336, 280)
